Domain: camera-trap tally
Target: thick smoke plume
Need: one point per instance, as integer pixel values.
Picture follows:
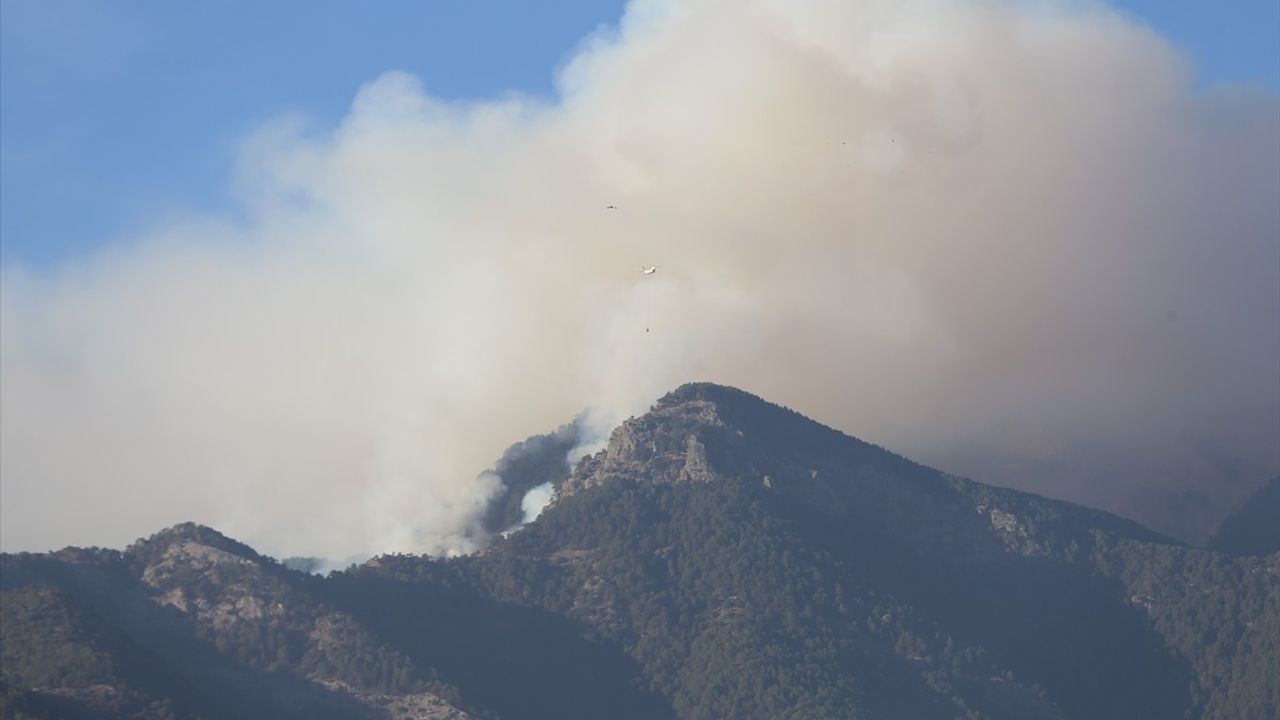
(1010, 239)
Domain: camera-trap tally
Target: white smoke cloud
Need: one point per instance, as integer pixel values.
(1013, 240)
(535, 501)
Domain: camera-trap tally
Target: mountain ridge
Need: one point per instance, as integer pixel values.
(721, 557)
(711, 431)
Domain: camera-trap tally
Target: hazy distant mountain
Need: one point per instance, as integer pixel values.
(722, 558)
(1254, 527)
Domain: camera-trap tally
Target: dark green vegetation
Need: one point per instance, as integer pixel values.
(723, 558)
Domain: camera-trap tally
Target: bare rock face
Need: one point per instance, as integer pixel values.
(192, 556)
(418, 706)
(667, 445)
(231, 591)
(1012, 532)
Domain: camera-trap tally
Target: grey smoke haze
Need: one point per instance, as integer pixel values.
(1009, 239)
(544, 459)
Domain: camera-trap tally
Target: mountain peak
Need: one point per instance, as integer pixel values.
(703, 431)
(725, 406)
(150, 549)
(749, 415)
(707, 392)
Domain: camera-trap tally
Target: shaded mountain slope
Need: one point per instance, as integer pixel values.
(1254, 527)
(188, 623)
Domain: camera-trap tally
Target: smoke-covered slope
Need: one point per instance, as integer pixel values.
(723, 557)
(1254, 527)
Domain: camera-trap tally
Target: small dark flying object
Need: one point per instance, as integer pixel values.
(610, 207)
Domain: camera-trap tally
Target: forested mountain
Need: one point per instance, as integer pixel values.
(722, 558)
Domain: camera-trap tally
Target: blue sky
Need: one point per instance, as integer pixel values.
(117, 116)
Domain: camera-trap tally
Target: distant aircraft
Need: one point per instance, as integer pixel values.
(648, 310)
(610, 207)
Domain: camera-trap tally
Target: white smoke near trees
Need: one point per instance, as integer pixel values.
(1010, 239)
(536, 500)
